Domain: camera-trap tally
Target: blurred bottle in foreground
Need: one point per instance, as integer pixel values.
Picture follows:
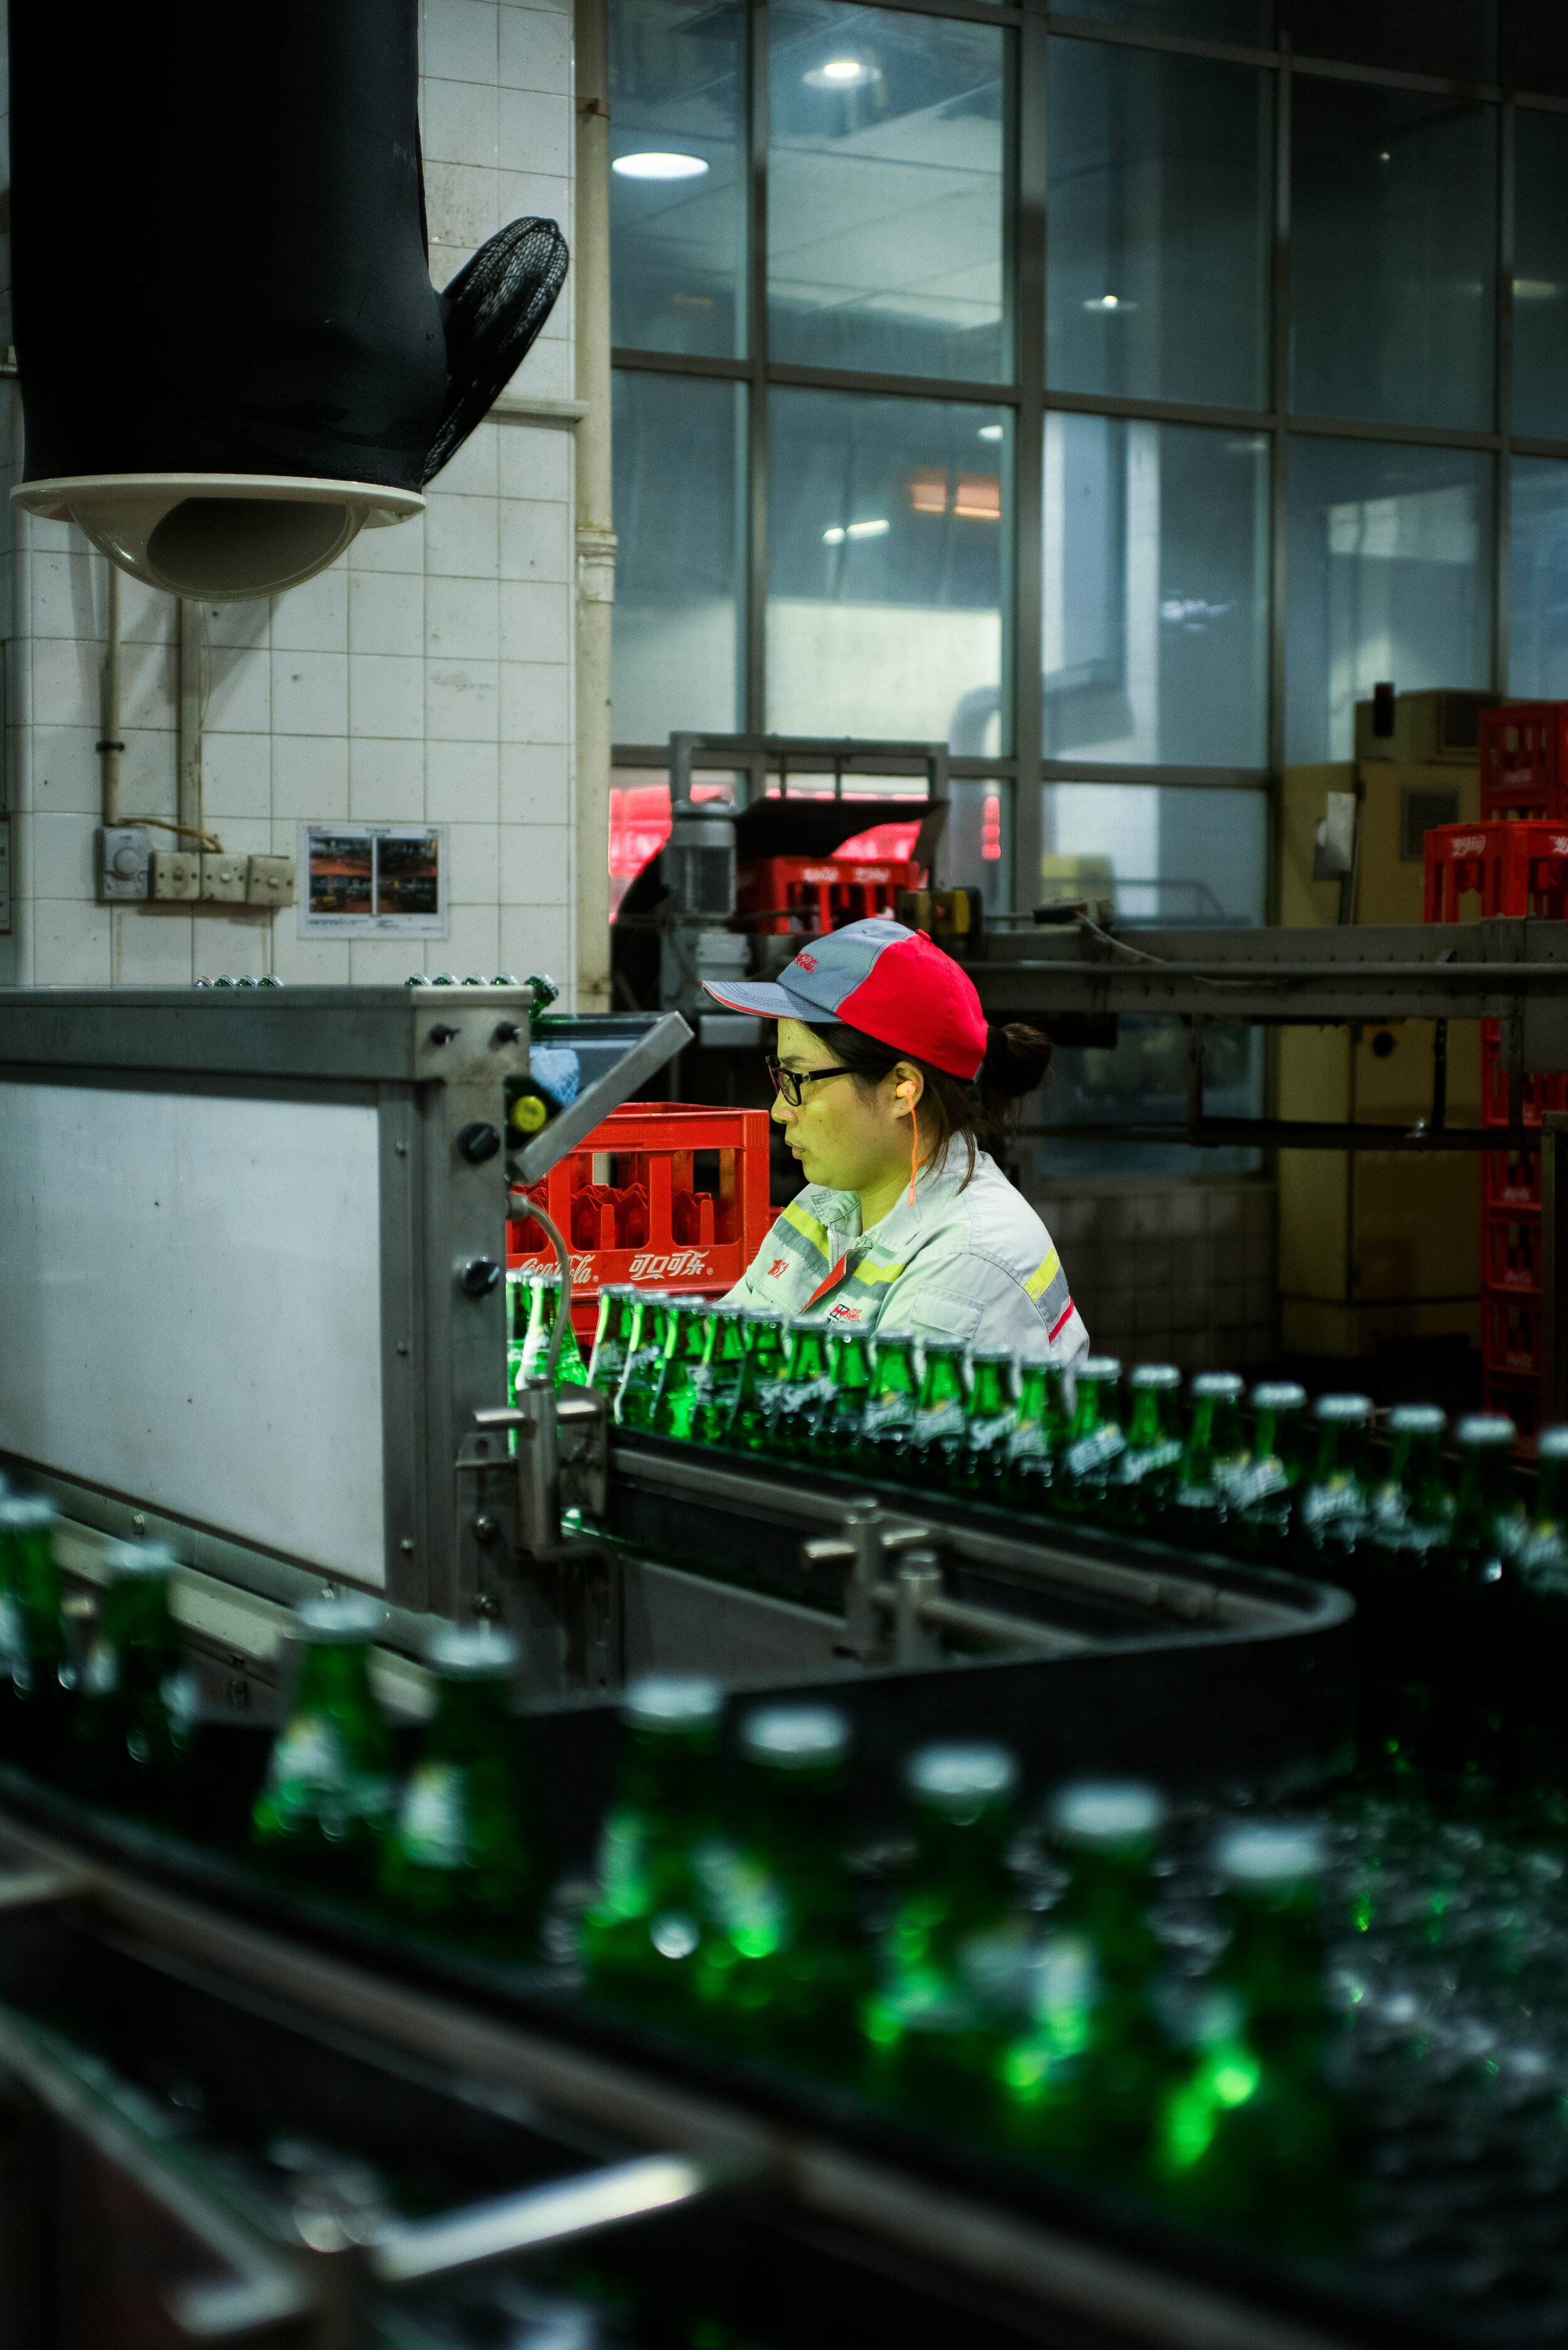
(1214, 1456)
(1095, 1442)
(134, 1726)
(991, 1416)
(457, 1854)
(327, 1794)
(1334, 1507)
(36, 1675)
(1260, 1498)
(1143, 1478)
(1039, 1434)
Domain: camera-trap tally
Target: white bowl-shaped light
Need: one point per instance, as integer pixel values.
(657, 165)
(839, 73)
(220, 538)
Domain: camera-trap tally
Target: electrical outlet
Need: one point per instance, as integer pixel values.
(223, 878)
(269, 881)
(124, 862)
(176, 873)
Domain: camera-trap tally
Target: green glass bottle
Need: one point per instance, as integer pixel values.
(1214, 1455)
(1412, 1507)
(953, 1967)
(1039, 1436)
(786, 1973)
(134, 1721)
(890, 1414)
(1143, 1475)
(835, 1439)
(644, 1937)
(543, 1307)
(1095, 1442)
(682, 1376)
(937, 1428)
(457, 1857)
(1333, 1508)
(1084, 2081)
(1252, 2135)
(1543, 1548)
(1489, 1522)
(519, 1303)
(327, 1794)
(990, 1416)
(1259, 1505)
(644, 1367)
(805, 1396)
(756, 1396)
(725, 1362)
(36, 1664)
(614, 1336)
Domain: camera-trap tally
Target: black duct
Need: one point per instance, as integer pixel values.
(221, 275)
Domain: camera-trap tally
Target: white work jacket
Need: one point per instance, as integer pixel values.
(967, 1260)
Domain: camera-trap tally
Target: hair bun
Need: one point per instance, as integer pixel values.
(1016, 1059)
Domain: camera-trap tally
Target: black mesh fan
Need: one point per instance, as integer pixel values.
(495, 306)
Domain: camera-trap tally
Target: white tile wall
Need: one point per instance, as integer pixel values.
(426, 677)
(1174, 1273)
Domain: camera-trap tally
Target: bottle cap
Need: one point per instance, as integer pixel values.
(127, 1559)
(959, 1781)
(1278, 1394)
(1154, 1375)
(336, 1622)
(25, 1513)
(1552, 1444)
(1224, 1384)
(799, 1322)
(943, 1347)
(1264, 1854)
(1486, 1428)
(1416, 1419)
(671, 1701)
(795, 1737)
(725, 1313)
(1100, 1366)
(472, 1652)
(1002, 1354)
(759, 1313)
(1345, 1411)
(1098, 1815)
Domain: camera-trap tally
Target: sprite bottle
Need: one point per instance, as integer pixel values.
(1252, 2135)
(1333, 1508)
(835, 1438)
(954, 1965)
(457, 1857)
(1479, 1650)
(613, 1335)
(990, 1416)
(1039, 1435)
(683, 1375)
(544, 1303)
(645, 1936)
(1143, 1476)
(1095, 1442)
(1260, 1502)
(134, 1721)
(1214, 1456)
(756, 1395)
(36, 1667)
(785, 1974)
(802, 1397)
(723, 1362)
(890, 1414)
(519, 1299)
(1412, 1508)
(643, 1368)
(937, 1429)
(327, 1794)
(1083, 2080)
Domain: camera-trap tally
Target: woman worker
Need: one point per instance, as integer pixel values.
(888, 1087)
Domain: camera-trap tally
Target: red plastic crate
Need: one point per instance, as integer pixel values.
(1524, 759)
(648, 1223)
(1509, 1178)
(782, 894)
(1544, 1089)
(1510, 1337)
(1510, 1253)
(1514, 868)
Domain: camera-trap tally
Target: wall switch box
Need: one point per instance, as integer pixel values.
(223, 878)
(269, 881)
(176, 873)
(124, 862)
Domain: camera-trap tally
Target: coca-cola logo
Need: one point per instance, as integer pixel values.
(1472, 843)
(683, 1264)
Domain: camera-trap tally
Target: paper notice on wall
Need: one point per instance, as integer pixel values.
(369, 880)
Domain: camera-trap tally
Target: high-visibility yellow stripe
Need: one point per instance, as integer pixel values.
(1045, 1274)
(871, 1274)
(808, 1228)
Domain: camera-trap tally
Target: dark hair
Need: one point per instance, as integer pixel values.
(982, 1115)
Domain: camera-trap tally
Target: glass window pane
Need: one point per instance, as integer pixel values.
(1250, 21)
(1535, 46)
(1540, 277)
(888, 522)
(884, 192)
(1158, 218)
(1434, 36)
(678, 180)
(679, 450)
(1391, 268)
(1538, 581)
(1155, 592)
(1389, 572)
(978, 853)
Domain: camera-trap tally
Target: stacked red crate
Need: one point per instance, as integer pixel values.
(782, 894)
(1519, 867)
(638, 1214)
(1524, 759)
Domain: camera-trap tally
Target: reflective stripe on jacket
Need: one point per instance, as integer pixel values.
(968, 1261)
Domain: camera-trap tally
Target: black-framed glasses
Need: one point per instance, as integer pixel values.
(789, 1082)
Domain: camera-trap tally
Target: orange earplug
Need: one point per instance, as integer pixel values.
(907, 1092)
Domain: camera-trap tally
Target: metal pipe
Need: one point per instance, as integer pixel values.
(596, 545)
(539, 2215)
(1293, 1134)
(110, 746)
(192, 698)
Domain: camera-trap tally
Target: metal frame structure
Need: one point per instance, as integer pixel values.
(1031, 397)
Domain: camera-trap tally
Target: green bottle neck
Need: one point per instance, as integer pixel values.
(808, 1359)
(852, 1366)
(943, 1380)
(895, 1367)
(990, 1397)
(1151, 1423)
(1095, 1406)
(471, 1721)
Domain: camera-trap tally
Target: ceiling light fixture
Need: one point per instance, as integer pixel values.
(1109, 302)
(658, 166)
(839, 73)
(856, 530)
(989, 433)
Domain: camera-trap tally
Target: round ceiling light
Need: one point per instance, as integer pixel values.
(658, 166)
(839, 73)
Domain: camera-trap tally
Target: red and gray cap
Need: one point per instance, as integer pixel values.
(888, 982)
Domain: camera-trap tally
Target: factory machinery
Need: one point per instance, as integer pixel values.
(254, 1293)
